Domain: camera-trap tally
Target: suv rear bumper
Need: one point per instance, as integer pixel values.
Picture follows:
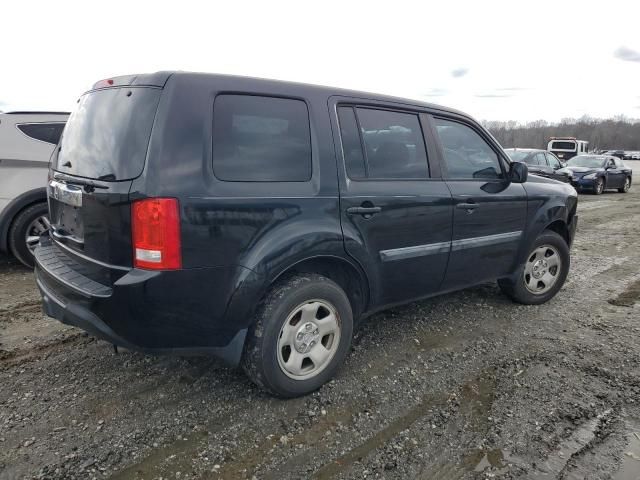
(140, 310)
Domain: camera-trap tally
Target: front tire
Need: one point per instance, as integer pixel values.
(301, 335)
(598, 186)
(25, 232)
(543, 272)
(627, 185)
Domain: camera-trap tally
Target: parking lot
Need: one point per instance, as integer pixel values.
(467, 385)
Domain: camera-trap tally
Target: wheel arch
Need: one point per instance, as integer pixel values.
(348, 276)
(561, 228)
(14, 207)
(555, 213)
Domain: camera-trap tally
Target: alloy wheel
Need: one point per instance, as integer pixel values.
(309, 339)
(36, 228)
(599, 186)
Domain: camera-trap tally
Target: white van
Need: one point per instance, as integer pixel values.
(27, 140)
(567, 147)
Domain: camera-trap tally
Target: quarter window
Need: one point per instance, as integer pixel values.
(393, 144)
(466, 154)
(45, 132)
(261, 139)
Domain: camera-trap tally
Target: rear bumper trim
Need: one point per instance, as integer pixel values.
(67, 273)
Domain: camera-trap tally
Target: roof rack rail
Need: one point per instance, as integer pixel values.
(34, 112)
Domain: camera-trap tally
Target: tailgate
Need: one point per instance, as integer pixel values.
(92, 220)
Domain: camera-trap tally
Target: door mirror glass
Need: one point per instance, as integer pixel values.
(519, 172)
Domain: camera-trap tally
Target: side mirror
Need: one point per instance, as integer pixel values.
(519, 172)
(610, 167)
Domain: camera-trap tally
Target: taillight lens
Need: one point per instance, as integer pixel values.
(155, 227)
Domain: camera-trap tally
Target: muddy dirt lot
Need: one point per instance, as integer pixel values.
(468, 385)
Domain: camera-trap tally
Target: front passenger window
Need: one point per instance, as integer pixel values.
(466, 154)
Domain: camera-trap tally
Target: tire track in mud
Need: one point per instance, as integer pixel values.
(313, 435)
(13, 358)
(468, 403)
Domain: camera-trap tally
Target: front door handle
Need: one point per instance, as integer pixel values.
(467, 206)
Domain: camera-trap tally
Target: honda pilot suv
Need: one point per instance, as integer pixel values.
(257, 220)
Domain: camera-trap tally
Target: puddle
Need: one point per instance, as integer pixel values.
(477, 399)
(629, 296)
(496, 460)
(630, 468)
(557, 461)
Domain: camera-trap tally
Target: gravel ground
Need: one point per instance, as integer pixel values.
(467, 385)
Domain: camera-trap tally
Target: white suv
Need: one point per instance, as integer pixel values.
(27, 140)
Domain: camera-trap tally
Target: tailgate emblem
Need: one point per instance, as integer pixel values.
(69, 194)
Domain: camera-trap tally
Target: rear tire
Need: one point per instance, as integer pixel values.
(627, 185)
(301, 335)
(543, 272)
(27, 226)
(598, 186)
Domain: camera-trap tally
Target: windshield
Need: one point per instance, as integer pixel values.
(107, 136)
(571, 146)
(586, 161)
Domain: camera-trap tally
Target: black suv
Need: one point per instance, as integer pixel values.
(256, 220)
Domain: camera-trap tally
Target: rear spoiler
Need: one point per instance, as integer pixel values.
(158, 79)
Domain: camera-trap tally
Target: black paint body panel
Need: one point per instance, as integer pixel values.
(240, 237)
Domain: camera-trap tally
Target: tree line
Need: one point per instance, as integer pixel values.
(618, 133)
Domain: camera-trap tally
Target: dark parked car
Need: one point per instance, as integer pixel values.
(597, 173)
(541, 162)
(257, 220)
(620, 154)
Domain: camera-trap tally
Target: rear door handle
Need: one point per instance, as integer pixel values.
(363, 210)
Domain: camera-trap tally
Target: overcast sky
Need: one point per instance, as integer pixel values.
(520, 60)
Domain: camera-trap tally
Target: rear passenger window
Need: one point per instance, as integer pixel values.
(45, 132)
(393, 144)
(261, 139)
(466, 154)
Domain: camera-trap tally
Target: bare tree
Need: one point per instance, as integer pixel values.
(619, 132)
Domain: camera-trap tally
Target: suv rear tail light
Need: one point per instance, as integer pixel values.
(155, 228)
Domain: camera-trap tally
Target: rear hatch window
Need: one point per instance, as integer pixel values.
(106, 138)
(563, 146)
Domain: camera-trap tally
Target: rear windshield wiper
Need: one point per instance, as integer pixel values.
(88, 184)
